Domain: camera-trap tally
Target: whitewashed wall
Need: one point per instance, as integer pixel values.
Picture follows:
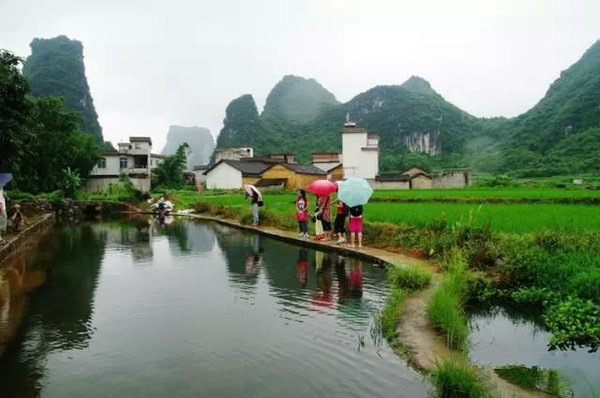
(224, 177)
(359, 163)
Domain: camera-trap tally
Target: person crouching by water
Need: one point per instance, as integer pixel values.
(17, 218)
(302, 213)
(356, 225)
(325, 216)
(339, 225)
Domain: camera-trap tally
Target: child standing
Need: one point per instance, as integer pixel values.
(302, 213)
(356, 225)
(339, 227)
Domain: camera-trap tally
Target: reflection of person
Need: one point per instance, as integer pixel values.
(255, 260)
(340, 272)
(302, 267)
(302, 213)
(355, 279)
(324, 282)
(356, 225)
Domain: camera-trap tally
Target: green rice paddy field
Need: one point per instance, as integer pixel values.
(507, 217)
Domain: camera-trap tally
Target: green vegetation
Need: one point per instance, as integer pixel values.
(445, 309)
(169, 173)
(39, 138)
(454, 378)
(534, 378)
(391, 313)
(55, 68)
(408, 278)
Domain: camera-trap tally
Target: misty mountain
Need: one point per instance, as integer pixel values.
(55, 68)
(559, 135)
(199, 139)
(297, 99)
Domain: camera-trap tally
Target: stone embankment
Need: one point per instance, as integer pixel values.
(27, 235)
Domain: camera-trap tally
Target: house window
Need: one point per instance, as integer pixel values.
(123, 163)
(102, 163)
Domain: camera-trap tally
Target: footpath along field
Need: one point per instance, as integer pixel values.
(505, 217)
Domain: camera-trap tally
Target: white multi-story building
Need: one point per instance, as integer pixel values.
(360, 152)
(133, 158)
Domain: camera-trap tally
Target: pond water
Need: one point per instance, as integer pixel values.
(502, 336)
(132, 308)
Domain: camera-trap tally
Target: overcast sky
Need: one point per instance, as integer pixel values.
(151, 64)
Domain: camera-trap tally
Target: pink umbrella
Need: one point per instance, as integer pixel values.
(321, 187)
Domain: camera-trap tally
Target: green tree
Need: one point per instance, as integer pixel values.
(54, 144)
(169, 174)
(71, 183)
(14, 112)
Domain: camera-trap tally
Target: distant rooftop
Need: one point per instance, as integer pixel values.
(140, 139)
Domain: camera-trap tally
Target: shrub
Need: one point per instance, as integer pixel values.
(454, 378)
(412, 277)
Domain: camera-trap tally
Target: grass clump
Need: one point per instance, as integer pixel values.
(454, 378)
(408, 278)
(445, 309)
(391, 313)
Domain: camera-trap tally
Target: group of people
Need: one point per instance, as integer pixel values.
(322, 219)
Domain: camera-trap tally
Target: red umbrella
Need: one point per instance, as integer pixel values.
(321, 187)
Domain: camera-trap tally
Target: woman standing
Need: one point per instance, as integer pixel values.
(325, 215)
(302, 213)
(356, 225)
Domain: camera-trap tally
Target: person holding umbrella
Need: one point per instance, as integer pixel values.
(256, 199)
(355, 192)
(322, 188)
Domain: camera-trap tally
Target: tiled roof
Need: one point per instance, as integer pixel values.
(304, 169)
(245, 166)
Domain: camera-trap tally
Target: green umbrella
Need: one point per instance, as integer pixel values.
(354, 191)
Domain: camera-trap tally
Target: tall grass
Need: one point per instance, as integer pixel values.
(391, 313)
(454, 378)
(445, 309)
(409, 278)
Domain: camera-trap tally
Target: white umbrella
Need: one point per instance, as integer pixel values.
(251, 189)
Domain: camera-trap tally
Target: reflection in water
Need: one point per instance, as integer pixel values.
(249, 316)
(503, 336)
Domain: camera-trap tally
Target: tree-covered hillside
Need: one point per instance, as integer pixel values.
(560, 135)
(56, 68)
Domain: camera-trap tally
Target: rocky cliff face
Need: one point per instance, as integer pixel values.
(55, 68)
(199, 139)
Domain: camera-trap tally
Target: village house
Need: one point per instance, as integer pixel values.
(360, 152)
(134, 159)
(269, 171)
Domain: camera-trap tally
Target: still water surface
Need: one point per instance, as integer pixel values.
(132, 308)
(504, 336)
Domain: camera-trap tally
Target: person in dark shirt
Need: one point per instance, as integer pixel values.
(339, 226)
(356, 225)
